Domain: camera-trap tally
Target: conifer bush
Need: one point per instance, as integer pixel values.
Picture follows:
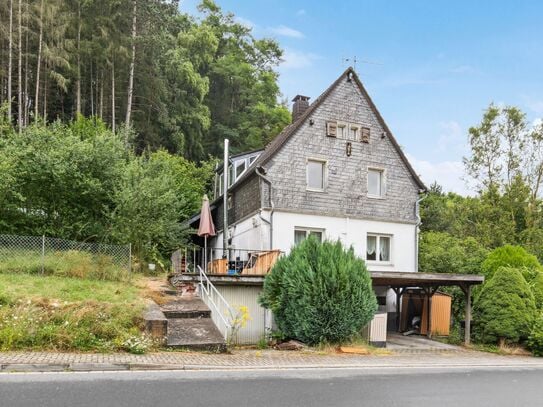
(510, 256)
(320, 293)
(535, 340)
(505, 309)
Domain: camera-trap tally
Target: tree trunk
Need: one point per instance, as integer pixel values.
(91, 91)
(132, 64)
(101, 111)
(45, 93)
(20, 70)
(10, 57)
(78, 80)
(26, 68)
(113, 96)
(38, 65)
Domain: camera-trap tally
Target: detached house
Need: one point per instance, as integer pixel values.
(336, 172)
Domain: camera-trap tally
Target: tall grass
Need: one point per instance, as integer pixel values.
(71, 263)
(66, 313)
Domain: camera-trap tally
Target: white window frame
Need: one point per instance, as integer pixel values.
(383, 182)
(307, 231)
(354, 132)
(324, 174)
(378, 237)
(342, 134)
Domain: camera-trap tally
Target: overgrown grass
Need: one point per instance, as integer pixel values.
(65, 313)
(71, 263)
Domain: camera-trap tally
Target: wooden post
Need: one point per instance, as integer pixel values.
(398, 292)
(467, 328)
(429, 314)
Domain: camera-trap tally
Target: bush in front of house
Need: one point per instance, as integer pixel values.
(510, 256)
(320, 293)
(537, 289)
(505, 309)
(535, 340)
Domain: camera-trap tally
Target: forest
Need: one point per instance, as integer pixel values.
(173, 81)
(104, 100)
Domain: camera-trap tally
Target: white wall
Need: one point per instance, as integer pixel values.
(350, 232)
(236, 296)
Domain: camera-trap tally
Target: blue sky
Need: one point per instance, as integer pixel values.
(435, 65)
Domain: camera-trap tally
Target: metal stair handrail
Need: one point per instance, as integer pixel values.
(221, 311)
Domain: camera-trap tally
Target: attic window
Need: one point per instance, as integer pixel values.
(354, 132)
(341, 130)
(365, 134)
(331, 129)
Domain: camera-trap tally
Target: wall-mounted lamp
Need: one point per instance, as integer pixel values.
(311, 122)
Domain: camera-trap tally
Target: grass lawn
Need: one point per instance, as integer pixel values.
(66, 313)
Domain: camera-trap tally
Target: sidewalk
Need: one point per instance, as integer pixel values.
(250, 359)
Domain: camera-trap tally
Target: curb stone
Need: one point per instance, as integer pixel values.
(39, 367)
(90, 367)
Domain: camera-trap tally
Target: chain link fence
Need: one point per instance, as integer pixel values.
(52, 256)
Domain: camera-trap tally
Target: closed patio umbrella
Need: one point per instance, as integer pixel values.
(206, 228)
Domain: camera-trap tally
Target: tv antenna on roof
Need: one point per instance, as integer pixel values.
(354, 60)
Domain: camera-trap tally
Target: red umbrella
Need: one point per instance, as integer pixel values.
(206, 228)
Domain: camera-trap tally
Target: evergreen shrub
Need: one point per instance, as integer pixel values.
(505, 309)
(320, 293)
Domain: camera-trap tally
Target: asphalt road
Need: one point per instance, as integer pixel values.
(333, 387)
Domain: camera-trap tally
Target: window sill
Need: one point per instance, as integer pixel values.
(380, 263)
(315, 190)
(376, 196)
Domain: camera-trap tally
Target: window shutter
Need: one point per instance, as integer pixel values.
(331, 129)
(365, 135)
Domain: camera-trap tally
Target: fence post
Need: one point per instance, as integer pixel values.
(130, 259)
(42, 253)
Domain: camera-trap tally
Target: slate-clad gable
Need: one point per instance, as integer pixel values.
(346, 190)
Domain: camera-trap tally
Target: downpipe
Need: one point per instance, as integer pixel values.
(259, 172)
(419, 222)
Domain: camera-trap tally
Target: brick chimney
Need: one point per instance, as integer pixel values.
(300, 105)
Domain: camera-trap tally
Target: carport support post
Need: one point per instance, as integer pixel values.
(467, 329)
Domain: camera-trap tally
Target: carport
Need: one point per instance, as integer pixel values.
(429, 283)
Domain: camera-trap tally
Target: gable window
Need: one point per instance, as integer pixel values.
(376, 185)
(341, 130)
(354, 132)
(378, 248)
(316, 175)
(300, 234)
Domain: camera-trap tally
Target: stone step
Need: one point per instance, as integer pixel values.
(192, 307)
(195, 334)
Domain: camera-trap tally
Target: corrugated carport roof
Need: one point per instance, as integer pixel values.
(400, 279)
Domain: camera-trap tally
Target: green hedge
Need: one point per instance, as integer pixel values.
(320, 293)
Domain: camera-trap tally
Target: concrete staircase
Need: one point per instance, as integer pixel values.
(190, 326)
(183, 321)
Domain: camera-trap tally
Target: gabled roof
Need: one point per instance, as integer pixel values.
(275, 145)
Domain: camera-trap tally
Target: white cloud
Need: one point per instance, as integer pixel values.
(451, 137)
(536, 106)
(245, 22)
(285, 31)
(301, 12)
(448, 174)
(296, 59)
